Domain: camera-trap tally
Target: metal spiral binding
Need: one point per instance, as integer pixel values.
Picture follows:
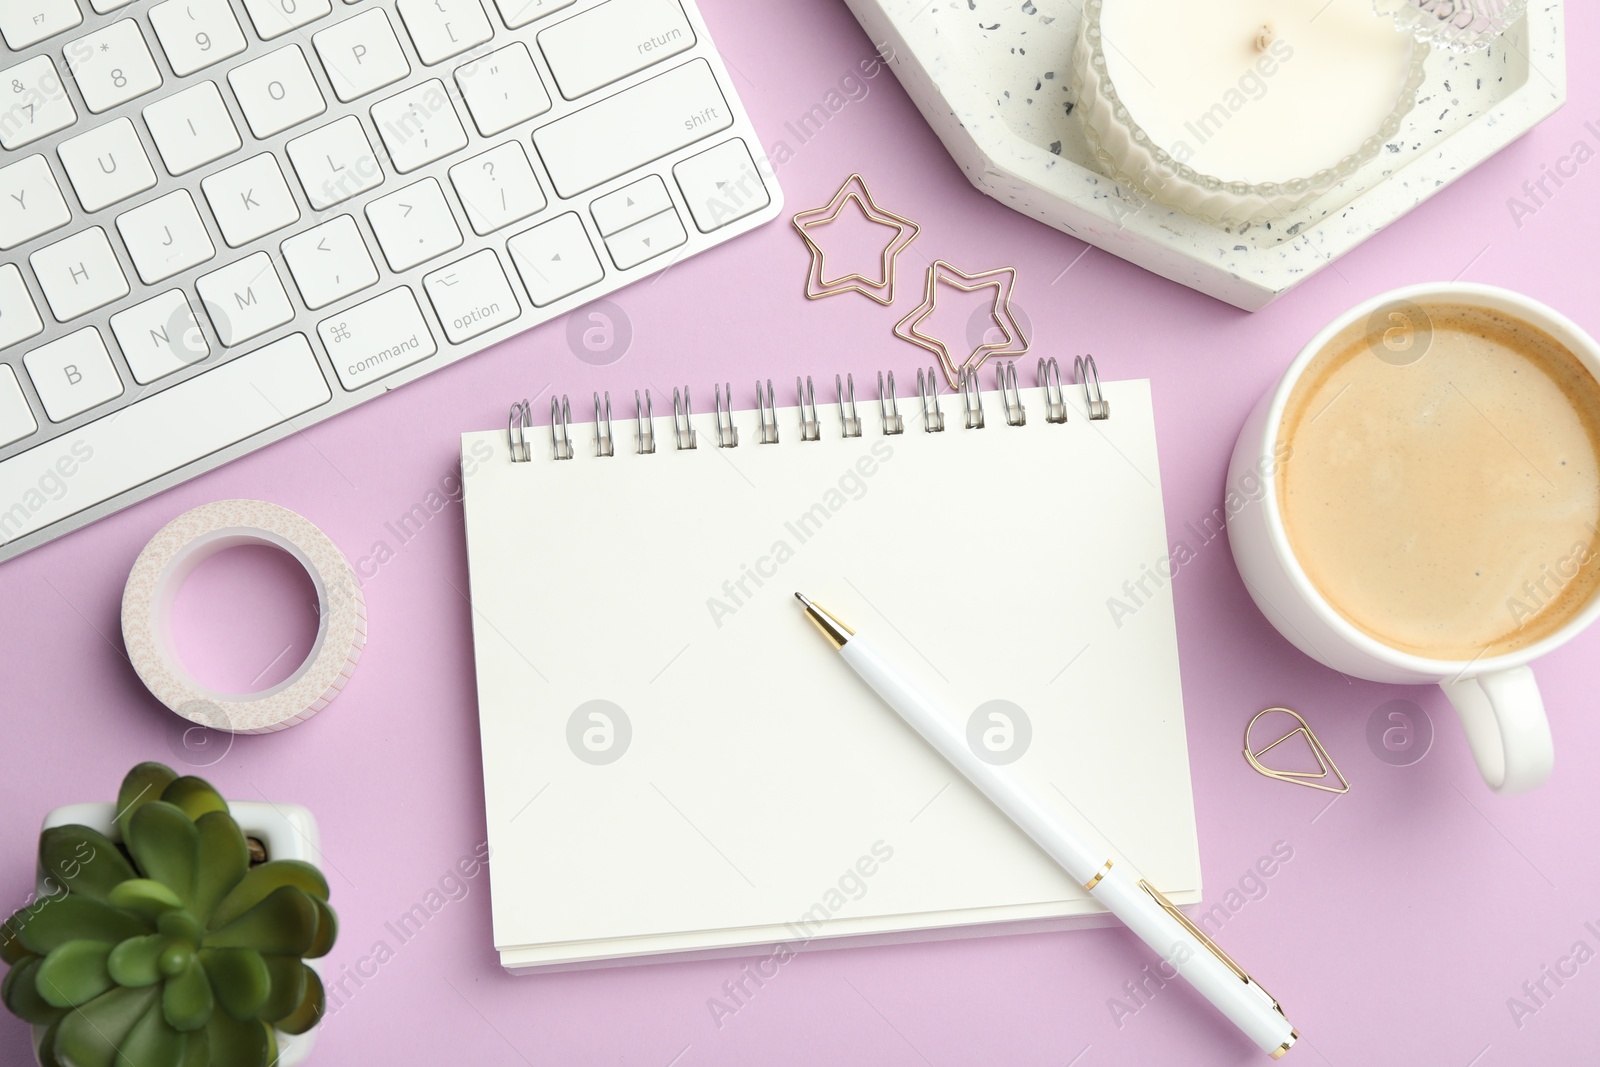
(520, 419)
(560, 422)
(727, 432)
(604, 442)
(971, 398)
(810, 425)
(928, 392)
(1086, 372)
(769, 415)
(849, 420)
(682, 427)
(1010, 396)
(1055, 400)
(517, 424)
(644, 424)
(889, 408)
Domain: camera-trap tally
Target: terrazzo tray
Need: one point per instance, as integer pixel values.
(992, 79)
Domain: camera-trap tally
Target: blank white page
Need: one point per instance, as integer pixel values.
(759, 769)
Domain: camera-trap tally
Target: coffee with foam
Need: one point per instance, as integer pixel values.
(1448, 503)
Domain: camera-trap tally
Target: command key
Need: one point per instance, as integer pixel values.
(376, 338)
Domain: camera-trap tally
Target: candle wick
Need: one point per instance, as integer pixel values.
(1265, 37)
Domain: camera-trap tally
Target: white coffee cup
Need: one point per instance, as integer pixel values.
(1495, 696)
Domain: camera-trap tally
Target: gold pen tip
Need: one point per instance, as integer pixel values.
(834, 630)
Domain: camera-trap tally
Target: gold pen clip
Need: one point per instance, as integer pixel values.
(1200, 935)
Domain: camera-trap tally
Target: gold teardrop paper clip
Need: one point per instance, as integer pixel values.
(1324, 761)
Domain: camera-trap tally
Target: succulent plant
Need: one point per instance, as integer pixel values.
(169, 950)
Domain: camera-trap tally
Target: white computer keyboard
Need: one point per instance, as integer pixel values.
(222, 220)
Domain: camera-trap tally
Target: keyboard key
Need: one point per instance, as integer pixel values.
(721, 185)
(361, 55)
(497, 188)
(277, 91)
(112, 66)
(16, 419)
(192, 128)
(102, 7)
(274, 18)
(613, 40)
(419, 126)
(79, 274)
(472, 297)
(632, 128)
(630, 204)
(444, 28)
(196, 33)
(107, 164)
(30, 202)
(646, 240)
(329, 262)
(19, 319)
(377, 338)
(555, 259)
(245, 299)
(250, 199)
(335, 163)
(165, 237)
(521, 12)
(73, 374)
(502, 89)
(161, 433)
(160, 336)
(414, 224)
(36, 103)
(25, 22)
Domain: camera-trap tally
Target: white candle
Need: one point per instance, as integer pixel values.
(1250, 91)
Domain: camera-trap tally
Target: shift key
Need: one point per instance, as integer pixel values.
(376, 338)
(632, 128)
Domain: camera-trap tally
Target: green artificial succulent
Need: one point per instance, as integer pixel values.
(170, 950)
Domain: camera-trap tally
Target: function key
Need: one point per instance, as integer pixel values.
(25, 22)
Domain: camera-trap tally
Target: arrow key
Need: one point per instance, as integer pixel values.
(555, 259)
(659, 233)
(629, 205)
(721, 185)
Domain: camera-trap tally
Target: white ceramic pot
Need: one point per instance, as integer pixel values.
(288, 831)
(1496, 697)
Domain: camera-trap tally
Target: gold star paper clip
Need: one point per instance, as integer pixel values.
(880, 290)
(1013, 342)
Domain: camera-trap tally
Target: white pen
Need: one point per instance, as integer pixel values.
(1138, 904)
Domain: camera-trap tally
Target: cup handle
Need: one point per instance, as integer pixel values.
(1503, 716)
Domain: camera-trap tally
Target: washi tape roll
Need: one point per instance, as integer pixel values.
(173, 554)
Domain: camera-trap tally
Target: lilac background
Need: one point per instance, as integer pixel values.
(1411, 910)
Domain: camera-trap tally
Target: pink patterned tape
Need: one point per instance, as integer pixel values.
(174, 553)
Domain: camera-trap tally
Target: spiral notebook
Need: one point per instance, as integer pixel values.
(676, 766)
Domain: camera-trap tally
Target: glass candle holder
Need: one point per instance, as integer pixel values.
(1139, 137)
(1459, 25)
